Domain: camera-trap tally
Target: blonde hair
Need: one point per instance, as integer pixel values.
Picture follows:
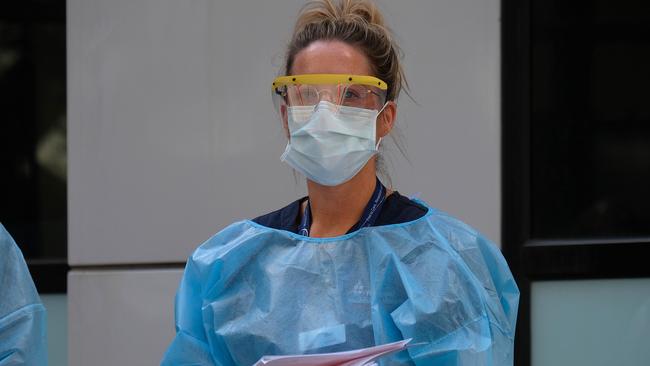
(358, 23)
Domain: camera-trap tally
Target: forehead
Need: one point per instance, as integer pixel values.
(330, 57)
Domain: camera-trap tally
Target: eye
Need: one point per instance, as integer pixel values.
(352, 94)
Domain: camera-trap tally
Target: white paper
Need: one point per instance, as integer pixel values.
(359, 357)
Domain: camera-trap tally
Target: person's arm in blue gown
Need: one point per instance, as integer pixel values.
(23, 322)
(486, 340)
(190, 345)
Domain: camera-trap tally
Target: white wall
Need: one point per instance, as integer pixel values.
(172, 135)
(120, 317)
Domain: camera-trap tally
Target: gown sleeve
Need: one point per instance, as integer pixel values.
(190, 345)
(23, 338)
(487, 339)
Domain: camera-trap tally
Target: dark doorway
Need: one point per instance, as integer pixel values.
(33, 207)
(576, 144)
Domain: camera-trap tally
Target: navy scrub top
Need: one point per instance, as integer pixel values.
(396, 209)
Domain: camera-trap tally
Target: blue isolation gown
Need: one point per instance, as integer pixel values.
(22, 316)
(251, 291)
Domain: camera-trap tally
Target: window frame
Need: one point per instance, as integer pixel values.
(538, 260)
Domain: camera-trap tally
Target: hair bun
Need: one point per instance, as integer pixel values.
(317, 11)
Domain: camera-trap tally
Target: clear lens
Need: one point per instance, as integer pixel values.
(349, 95)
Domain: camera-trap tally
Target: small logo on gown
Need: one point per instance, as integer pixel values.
(360, 294)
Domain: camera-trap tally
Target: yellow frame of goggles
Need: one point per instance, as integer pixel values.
(329, 79)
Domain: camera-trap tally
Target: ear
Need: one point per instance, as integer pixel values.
(386, 119)
(285, 123)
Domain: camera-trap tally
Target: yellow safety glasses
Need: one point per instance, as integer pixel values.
(360, 91)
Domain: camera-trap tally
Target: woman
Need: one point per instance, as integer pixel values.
(353, 264)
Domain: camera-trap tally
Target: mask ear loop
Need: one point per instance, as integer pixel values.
(339, 96)
(378, 113)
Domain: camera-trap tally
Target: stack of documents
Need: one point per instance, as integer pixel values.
(359, 357)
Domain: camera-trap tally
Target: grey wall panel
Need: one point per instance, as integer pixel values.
(120, 317)
(172, 134)
(452, 61)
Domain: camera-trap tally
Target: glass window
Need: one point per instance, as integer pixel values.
(590, 119)
(590, 322)
(33, 128)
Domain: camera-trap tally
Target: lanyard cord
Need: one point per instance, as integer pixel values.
(368, 218)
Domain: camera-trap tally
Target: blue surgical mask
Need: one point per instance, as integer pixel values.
(329, 143)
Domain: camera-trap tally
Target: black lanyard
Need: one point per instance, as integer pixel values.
(370, 213)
